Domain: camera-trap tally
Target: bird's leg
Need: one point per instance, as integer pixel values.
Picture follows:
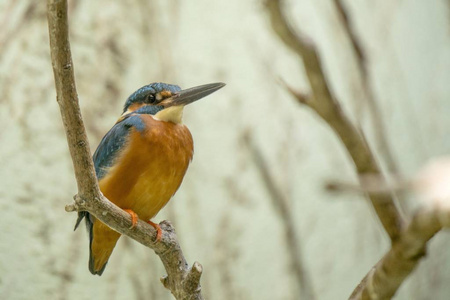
(158, 230)
(134, 217)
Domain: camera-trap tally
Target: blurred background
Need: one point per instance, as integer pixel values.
(252, 243)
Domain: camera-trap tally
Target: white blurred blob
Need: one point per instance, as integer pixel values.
(433, 182)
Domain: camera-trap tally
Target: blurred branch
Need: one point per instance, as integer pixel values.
(329, 109)
(374, 110)
(431, 183)
(183, 282)
(281, 205)
(361, 58)
(387, 275)
(371, 184)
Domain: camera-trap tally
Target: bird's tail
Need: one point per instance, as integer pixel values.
(102, 241)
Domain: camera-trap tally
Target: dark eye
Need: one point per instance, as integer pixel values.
(151, 99)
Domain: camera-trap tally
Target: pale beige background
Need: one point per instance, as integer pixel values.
(222, 213)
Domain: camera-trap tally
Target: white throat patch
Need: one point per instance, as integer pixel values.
(172, 114)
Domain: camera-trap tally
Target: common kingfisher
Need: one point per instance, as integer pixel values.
(140, 163)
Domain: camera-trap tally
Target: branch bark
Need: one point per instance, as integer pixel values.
(373, 108)
(181, 280)
(329, 109)
(384, 279)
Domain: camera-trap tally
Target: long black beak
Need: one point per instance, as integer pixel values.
(187, 96)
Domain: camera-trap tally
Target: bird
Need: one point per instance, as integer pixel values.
(141, 161)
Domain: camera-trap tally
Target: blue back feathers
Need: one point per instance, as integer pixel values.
(113, 142)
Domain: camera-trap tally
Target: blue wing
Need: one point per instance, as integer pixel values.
(114, 141)
(108, 150)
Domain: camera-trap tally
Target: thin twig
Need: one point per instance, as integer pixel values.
(351, 34)
(374, 109)
(183, 282)
(371, 184)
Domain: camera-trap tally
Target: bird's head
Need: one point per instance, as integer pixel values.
(166, 101)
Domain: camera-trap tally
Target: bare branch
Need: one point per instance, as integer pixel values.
(301, 97)
(193, 277)
(387, 275)
(352, 35)
(89, 197)
(374, 109)
(327, 107)
(372, 184)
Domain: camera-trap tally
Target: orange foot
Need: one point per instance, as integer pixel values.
(134, 217)
(158, 230)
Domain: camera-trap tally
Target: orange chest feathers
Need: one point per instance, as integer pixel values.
(151, 168)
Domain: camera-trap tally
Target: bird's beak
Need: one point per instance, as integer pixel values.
(187, 96)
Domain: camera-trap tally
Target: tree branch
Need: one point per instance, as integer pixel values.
(373, 109)
(384, 279)
(329, 109)
(183, 282)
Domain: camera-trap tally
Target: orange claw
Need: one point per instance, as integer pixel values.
(134, 217)
(158, 230)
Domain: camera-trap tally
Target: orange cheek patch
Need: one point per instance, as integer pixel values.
(166, 94)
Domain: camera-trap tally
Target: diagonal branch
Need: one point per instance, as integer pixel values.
(384, 279)
(361, 58)
(329, 109)
(374, 109)
(183, 281)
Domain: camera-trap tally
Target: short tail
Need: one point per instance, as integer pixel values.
(97, 263)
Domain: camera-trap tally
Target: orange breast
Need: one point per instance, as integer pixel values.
(151, 168)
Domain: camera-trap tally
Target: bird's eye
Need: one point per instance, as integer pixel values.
(151, 99)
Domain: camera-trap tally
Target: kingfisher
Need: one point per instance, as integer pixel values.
(140, 163)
